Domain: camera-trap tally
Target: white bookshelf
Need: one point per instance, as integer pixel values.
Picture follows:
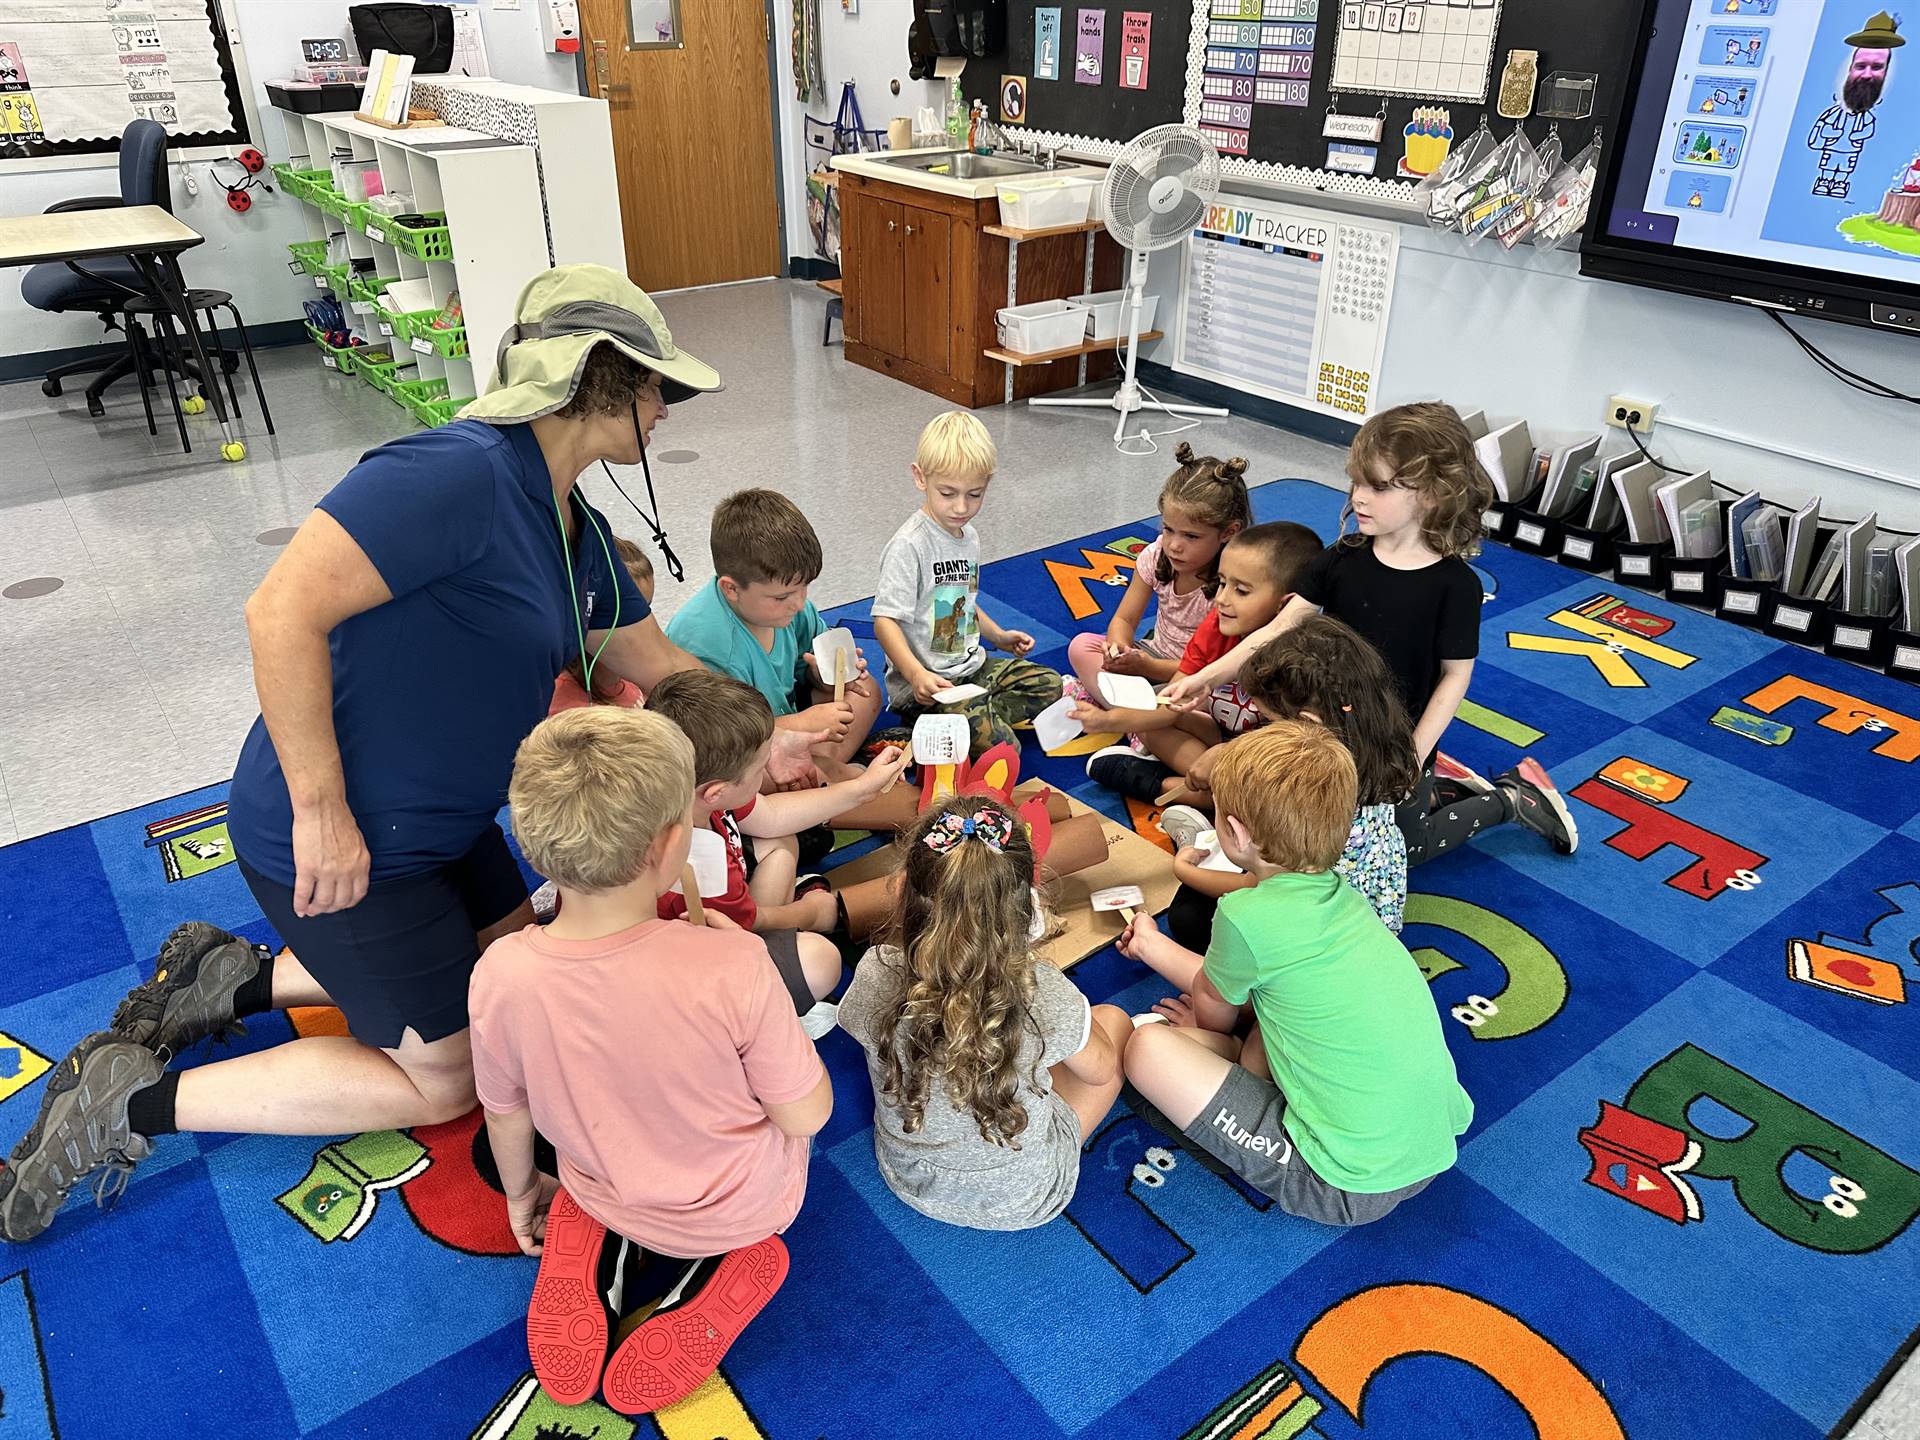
(489, 190)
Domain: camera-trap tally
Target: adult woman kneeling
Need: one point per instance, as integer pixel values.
(403, 645)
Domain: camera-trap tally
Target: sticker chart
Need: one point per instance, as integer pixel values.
(1440, 49)
(1288, 303)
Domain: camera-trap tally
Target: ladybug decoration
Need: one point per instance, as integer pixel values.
(238, 199)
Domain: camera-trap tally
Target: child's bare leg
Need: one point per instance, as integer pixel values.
(1179, 1070)
(819, 961)
(1087, 654)
(1253, 1054)
(1091, 1102)
(776, 863)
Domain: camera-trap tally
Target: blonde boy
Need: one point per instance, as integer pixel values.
(926, 609)
(1343, 1101)
(753, 621)
(663, 1062)
(731, 727)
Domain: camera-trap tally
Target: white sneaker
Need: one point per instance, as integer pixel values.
(821, 1019)
(1184, 825)
(546, 902)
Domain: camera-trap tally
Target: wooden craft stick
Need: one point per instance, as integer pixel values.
(690, 888)
(839, 677)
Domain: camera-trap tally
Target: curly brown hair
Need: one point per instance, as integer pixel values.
(610, 382)
(962, 925)
(1323, 667)
(1210, 491)
(1425, 448)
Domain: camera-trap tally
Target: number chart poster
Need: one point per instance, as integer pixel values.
(1257, 54)
(1288, 303)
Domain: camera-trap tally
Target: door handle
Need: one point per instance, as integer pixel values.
(909, 229)
(602, 71)
(891, 224)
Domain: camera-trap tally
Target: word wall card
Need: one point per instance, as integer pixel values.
(1288, 303)
(1434, 49)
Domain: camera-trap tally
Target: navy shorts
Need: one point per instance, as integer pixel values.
(402, 957)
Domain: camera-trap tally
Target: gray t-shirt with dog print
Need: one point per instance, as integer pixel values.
(945, 1169)
(930, 586)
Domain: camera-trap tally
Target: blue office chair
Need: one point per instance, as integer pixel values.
(103, 286)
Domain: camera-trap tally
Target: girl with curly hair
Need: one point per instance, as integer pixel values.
(989, 1067)
(1401, 579)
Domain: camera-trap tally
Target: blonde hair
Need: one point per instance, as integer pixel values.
(606, 682)
(958, 445)
(726, 719)
(760, 537)
(593, 788)
(1212, 492)
(1292, 784)
(1426, 448)
(962, 924)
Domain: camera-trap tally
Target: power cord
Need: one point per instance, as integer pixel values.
(1634, 435)
(1852, 379)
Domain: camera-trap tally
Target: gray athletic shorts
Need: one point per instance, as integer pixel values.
(1241, 1126)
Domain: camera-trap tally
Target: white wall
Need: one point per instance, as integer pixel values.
(1523, 336)
(869, 49)
(245, 254)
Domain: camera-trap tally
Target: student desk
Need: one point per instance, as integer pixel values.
(148, 236)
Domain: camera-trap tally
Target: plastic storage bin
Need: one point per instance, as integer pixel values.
(1046, 201)
(1107, 313)
(425, 243)
(1042, 325)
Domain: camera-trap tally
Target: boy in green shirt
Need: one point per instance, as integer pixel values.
(1342, 1101)
(753, 621)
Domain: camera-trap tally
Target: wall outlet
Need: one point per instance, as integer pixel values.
(1626, 413)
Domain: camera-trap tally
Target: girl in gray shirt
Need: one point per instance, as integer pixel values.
(989, 1068)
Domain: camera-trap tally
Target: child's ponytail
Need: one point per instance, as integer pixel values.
(1322, 667)
(1213, 492)
(962, 924)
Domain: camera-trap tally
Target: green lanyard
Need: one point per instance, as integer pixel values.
(579, 622)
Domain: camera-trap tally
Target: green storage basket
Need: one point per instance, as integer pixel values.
(449, 344)
(432, 242)
(415, 393)
(311, 255)
(330, 200)
(403, 323)
(439, 412)
(380, 374)
(341, 355)
(283, 172)
(366, 288)
(306, 185)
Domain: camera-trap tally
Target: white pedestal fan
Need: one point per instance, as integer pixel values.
(1155, 192)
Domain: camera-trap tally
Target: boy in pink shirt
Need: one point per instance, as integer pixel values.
(664, 1062)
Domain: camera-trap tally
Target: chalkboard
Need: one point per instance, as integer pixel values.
(1286, 141)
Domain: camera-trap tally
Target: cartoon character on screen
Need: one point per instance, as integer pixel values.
(1842, 130)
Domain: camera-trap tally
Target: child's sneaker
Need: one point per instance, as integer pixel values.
(567, 1318)
(1538, 806)
(1118, 768)
(672, 1352)
(546, 903)
(1454, 782)
(1183, 825)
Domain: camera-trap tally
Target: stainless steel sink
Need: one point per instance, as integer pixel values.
(963, 164)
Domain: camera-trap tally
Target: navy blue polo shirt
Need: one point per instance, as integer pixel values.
(434, 690)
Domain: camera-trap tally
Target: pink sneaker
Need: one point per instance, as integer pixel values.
(1452, 780)
(1538, 806)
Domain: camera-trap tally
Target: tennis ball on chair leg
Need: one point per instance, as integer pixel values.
(233, 450)
(194, 405)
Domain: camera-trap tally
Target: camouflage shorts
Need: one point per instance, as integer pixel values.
(1017, 690)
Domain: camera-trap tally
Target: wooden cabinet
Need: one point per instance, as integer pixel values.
(921, 281)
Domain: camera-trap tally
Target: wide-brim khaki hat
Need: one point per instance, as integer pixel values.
(560, 316)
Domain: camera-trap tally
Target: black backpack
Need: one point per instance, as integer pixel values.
(422, 31)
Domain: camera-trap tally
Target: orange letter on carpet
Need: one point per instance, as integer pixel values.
(1845, 714)
(1350, 1344)
(1071, 580)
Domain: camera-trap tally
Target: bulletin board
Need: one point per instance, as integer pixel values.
(1273, 126)
(75, 73)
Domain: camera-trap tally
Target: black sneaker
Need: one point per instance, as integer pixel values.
(191, 994)
(816, 843)
(82, 1127)
(1121, 769)
(1538, 806)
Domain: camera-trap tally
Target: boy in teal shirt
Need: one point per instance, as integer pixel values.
(1342, 1101)
(753, 621)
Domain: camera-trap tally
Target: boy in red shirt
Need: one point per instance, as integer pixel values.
(663, 1062)
(1258, 570)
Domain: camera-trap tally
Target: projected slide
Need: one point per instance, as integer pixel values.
(1791, 132)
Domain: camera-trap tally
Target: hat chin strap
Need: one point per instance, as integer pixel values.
(671, 560)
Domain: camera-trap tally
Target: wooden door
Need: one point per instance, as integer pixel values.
(692, 142)
(927, 274)
(878, 246)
